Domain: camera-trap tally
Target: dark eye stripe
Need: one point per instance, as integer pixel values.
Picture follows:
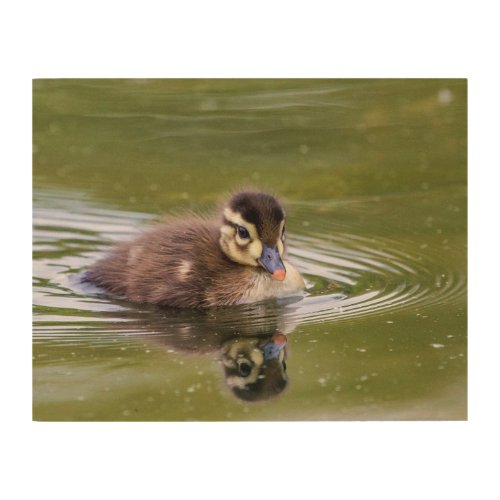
(230, 223)
(242, 231)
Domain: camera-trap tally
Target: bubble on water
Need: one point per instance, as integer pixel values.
(445, 96)
(437, 346)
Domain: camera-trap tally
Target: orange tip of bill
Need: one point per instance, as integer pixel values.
(279, 339)
(279, 274)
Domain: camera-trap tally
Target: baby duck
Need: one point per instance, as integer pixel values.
(200, 262)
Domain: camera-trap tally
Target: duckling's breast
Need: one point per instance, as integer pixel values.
(263, 287)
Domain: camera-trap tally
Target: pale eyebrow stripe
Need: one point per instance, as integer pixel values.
(238, 220)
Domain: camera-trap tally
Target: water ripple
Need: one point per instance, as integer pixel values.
(348, 276)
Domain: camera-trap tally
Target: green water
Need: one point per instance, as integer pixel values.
(374, 177)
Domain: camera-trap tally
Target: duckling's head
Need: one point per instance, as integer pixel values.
(253, 232)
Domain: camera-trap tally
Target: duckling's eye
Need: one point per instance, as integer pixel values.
(242, 232)
(244, 369)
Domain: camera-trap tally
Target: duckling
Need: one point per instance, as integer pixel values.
(197, 262)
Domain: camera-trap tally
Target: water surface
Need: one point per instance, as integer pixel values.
(373, 174)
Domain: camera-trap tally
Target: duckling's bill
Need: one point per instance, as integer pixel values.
(271, 261)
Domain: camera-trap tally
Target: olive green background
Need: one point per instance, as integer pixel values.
(374, 176)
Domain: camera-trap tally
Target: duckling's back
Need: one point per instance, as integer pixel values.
(178, 264)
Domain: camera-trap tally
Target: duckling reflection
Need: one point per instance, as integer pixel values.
(255, 368)
(251, 341)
